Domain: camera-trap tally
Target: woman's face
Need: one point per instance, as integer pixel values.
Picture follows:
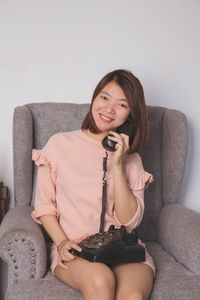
(110, 108)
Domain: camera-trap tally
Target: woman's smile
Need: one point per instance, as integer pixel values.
(105, 118)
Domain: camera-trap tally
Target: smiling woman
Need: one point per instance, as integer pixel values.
(69, 214)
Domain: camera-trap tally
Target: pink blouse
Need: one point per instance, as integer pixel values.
(69, 184)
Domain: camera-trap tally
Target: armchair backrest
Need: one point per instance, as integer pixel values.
(164, 157)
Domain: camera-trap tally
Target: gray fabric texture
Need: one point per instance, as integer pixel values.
(174, 143)
(22, 143)
(178, 233)
(170, 231)
(23, 245)
(173, 281)
(48, 288)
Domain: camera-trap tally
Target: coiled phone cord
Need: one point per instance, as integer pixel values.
(104, 189)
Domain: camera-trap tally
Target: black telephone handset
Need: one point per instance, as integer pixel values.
(127, 128)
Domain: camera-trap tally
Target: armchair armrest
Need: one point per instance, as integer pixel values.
(178, 233)
(22, 245)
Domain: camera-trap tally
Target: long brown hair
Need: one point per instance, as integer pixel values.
(134, 93)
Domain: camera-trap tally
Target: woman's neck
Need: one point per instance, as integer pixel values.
(96, 136)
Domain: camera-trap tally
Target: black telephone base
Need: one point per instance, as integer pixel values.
(112, 246)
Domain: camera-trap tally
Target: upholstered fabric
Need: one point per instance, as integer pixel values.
(173, 281)
(170, 231)
(178, 233)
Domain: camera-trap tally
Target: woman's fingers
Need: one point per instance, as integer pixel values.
(75, 246)
(125, 140)
(65, 253)
(121, 139)
(118, 137)
(125, 137)
(61, 263)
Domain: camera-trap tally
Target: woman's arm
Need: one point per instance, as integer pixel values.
(52, 227)
(124, 200)
(63, 243)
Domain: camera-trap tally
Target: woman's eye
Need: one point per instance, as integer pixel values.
(104, 97)
(123, 105)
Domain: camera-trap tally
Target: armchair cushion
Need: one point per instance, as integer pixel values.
(173, 280)
(178, 233)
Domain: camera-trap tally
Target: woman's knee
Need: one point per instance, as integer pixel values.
(100, 279)
(135, 294)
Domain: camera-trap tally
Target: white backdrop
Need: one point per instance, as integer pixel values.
(57, 50)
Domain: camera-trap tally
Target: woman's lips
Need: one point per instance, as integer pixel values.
(105, 118)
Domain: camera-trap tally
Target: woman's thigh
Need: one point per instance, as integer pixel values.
(133, 280)
(82, 274)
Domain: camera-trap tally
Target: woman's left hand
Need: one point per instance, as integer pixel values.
(121, 147)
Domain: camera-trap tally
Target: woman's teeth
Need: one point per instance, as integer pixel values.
(105, 118)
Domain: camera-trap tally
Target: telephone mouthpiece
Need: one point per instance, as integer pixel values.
(109, 144)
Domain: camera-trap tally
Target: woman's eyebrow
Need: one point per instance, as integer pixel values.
(104, 92)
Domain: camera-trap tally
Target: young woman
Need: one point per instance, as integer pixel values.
(69, 190)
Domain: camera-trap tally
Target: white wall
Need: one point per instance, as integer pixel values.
(58, 50)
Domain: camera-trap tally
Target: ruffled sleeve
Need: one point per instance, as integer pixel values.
(40, 160)
(45, 196)
(143, 181)
(138, 181)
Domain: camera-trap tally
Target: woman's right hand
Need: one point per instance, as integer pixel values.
(64, 249)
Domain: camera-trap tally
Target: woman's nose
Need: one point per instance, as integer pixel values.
(110, 108)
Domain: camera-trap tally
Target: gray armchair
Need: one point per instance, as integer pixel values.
(171, 232)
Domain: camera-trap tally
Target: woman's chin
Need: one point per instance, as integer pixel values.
(104, 127)
(105, 131)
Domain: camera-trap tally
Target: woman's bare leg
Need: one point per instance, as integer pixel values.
(94, 280)
(133, 281)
